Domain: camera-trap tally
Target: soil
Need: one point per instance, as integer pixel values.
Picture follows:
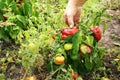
(112, 30)
(111, 36)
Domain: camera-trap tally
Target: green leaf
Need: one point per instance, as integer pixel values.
(1, 17)
(14, 8)
(118, 56)
(27, 9)
(4, 35)
(79, 78)
(88, 63)
(89, 40)
(64, 70)
(116, 44)
(2, 76)
(9, 1)
(104, 27)
(76, 40)
(98, 62)
(101, 52)
(2, 5)
(68, 39)
(22, 19)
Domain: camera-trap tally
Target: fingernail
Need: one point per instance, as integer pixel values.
(71, 26)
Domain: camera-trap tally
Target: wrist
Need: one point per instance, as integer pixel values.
(76, 3)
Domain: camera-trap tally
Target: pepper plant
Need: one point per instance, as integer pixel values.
(80, 44)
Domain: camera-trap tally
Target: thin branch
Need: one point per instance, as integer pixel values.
(2, 24)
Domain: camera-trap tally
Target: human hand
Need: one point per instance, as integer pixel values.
(72, 15)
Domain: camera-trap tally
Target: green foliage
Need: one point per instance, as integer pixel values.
(32, 49)
(36, 25)
(2, 76)
(17, 13)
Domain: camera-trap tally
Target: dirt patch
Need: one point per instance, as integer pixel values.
(111, 36)
(112, 30)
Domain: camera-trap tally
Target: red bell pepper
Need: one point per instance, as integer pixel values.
(96, 33)
(69, 32)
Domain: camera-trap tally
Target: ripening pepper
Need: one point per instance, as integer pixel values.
(85, 49)
(4, 17)
(69, 32)
(59, 60)
(74, 75)
(96, 33)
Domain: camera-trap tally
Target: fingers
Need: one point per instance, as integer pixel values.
(76, 20)
(70, 21)
(72, 16)
(65, 19)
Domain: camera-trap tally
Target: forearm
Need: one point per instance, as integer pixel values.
(76, 2)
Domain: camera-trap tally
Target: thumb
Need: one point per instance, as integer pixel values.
(70, 21)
